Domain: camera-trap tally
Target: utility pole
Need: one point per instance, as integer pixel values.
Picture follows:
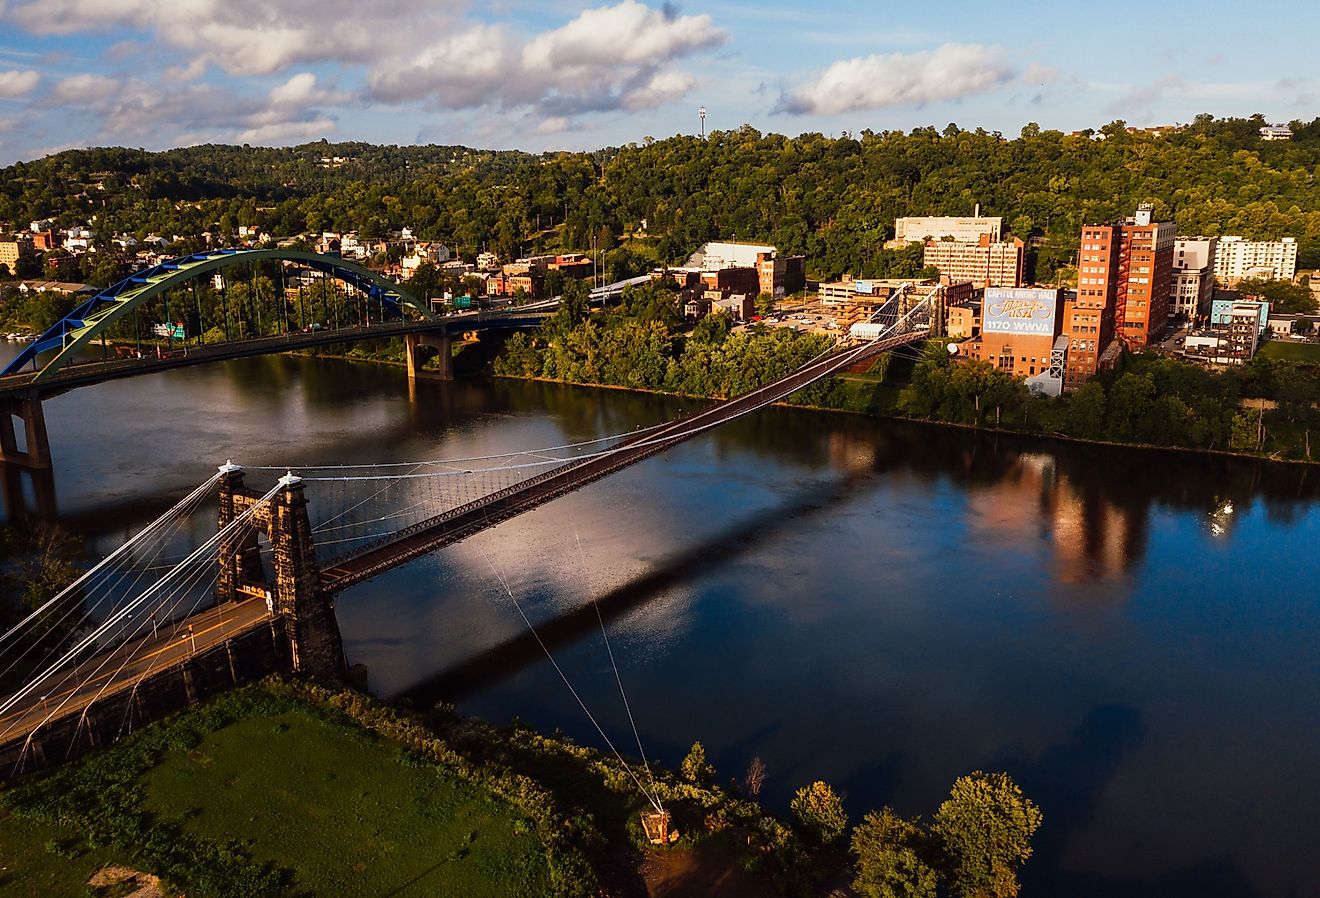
(701, 113)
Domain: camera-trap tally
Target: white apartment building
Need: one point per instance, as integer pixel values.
(963, 230)
(1236, 259)
(984, 263)
(1193, 277)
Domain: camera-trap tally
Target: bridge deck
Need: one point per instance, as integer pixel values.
(101, 676)
(472, 518)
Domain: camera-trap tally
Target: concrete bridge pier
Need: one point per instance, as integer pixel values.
(240, 553)
(441, 342)
(27, 411)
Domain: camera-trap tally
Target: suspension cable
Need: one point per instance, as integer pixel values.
(650, 797)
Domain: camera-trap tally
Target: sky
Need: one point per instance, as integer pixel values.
(558, 75)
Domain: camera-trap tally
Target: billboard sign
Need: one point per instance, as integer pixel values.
(1024, 311)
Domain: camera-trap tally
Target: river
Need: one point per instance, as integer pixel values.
(882, 606)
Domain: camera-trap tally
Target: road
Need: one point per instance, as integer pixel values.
(129, 664)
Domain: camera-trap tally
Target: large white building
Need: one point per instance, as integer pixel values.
(1236, 259)
(963, 230)
(719, 256)
(1193, 277)
(985, 263)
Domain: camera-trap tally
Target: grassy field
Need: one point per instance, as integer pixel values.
(1291, 352)
(273, 799)
(44, 860)
(345, 813)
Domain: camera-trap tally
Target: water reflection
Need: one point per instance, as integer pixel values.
(880, 605)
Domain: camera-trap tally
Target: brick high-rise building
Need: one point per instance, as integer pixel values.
(1088, 318)
(1124, 278)
(1145, 277)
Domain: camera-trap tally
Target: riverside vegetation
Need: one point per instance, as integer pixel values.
(289, 788)
(1150, 399)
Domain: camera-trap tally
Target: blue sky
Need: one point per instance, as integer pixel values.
(555, 75)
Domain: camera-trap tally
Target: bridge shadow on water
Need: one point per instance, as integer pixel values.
(500, 661)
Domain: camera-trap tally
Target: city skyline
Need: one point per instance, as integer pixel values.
(557, 76)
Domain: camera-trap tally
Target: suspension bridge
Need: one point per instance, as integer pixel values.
(160, 624)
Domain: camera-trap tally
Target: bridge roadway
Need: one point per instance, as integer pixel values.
(95, 372)
(101, 676)
(466, 520)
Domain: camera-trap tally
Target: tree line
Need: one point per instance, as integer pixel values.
(832, 199)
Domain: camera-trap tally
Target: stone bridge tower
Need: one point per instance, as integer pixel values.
(295, 597)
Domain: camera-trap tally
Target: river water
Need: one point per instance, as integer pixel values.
(878, 605)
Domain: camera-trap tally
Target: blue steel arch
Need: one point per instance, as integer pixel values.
(86, 322)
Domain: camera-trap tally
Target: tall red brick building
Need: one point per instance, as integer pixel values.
(1124, 277)
(1145, 279)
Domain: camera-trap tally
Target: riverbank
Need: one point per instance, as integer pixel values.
(291, 788)
(954, 425)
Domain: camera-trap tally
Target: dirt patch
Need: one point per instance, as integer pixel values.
(699, 872)
(126, 882)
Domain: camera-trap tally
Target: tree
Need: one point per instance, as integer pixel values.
(891, 858)
(713, 329)
(985, 829)
(755, 777)
(695, 768)
(765, 303)
(574, 307)
(819, 813)
(1248, 431)
(36, 563)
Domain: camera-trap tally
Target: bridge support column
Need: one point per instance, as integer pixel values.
(443, 343)
(239, 553)
(36, 451)
(317, 648)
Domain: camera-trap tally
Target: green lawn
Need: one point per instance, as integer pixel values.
(1291, 352)
(43, 860)
(345, 812)
(255, 794)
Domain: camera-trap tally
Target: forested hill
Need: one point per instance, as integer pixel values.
(833, 199)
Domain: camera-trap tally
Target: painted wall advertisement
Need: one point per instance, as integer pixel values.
(1020, 310)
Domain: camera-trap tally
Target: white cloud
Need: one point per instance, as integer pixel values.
(17, 83)
(244, 37)
(662, 87)
(286, 132)
(555, 124)
(948, 72)
(629, 34)
(613, 57)
(462, 69)
(77, 90)
(129, 108)
(625, 56)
